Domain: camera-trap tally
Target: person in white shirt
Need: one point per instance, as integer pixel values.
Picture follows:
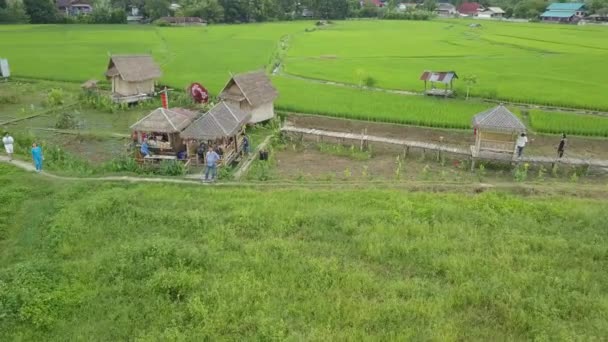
(522, 140)
(8, 142)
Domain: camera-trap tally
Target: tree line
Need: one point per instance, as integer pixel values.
(244, 11)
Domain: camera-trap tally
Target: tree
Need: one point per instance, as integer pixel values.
(41, 11)
(210, 10)
(430, 5)
(14, 14)
(155, 9)
(470, 81)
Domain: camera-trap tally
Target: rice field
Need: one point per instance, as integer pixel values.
(569, 123)
(543, 64)
(360, 104)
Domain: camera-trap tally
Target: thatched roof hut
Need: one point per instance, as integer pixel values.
(163, 120)
(252, 92)
(132, 75)
(223, 120)
(496, 130)
(498, 118)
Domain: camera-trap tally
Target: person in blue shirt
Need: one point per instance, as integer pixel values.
(211, 160)
(37, 156)
(144, 149)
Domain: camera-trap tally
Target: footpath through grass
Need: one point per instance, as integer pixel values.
(116, 262)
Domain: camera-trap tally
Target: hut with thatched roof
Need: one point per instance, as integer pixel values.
(223, 126)
(162, 127)
(496, 131)
(132, 76)
(253, 93)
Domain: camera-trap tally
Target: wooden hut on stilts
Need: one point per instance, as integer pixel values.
(223, 127)
(496, 132)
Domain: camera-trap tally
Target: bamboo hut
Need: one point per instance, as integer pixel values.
(223, 126)
(133, 77)
(253, 93)
(161, 129)
(442, 77)
(496, 132)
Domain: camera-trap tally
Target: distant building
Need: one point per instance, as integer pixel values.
(135, 17)
(74, 7)
(445, 9)
(564, 12)
(491, 12)
(470, 8)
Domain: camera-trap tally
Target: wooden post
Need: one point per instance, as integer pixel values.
(406, 151)
(423, 153)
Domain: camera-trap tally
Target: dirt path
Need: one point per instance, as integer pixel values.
(540, 144)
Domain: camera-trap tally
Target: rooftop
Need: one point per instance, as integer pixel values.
(565, 6)
(438, 76)
(163, 120)
(223, 120)
(255, 87)
(498, 118)
(133, 68)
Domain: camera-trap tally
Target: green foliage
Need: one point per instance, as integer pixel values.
(162, 23)
(570, 124)
(182, 262)
(344, 151)
(520, 173)
(41, 11)
(409, 15)
(13, 13)
(66, 120)
(55, 97)
(481, 172)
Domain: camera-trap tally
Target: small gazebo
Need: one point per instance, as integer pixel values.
(133, 77)
(496, 131)
(223, 126)
(162, 127)
(253, 93)
(446, 78)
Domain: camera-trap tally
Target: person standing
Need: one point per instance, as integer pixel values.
(562, 146)
(211, 159)
(246, 144)
(8, 142)
(37, 157)
(522, 140)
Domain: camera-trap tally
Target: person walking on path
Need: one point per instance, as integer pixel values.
(522, 140)
(37, 157)
(8, 142)
(246, 144)
(211, 159)
(562, 146)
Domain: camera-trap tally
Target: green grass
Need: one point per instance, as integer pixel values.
(569, 123)
(544, 64)
(93, 261)
(375, 106)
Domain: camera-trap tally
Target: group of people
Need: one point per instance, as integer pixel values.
(9, 146)
(522, 141)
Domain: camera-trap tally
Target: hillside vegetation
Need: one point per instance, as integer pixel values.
(93, 261)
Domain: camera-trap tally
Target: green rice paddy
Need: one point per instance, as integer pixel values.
(542, 64)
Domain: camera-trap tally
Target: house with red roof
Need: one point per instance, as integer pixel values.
(470, 8)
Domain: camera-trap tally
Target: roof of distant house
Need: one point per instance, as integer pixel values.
(223, 120)
(438, 76)
(255, 86)
(496, 10)
(469, 8)
(444, 6)
(558, 14)
(133, 68)
(498, 118)
(565, 6)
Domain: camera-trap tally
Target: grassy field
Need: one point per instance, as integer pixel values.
(82, 261)
(546, 64)
(568, 123)
(522, 62)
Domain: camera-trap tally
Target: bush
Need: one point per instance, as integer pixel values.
(66, 120)
(413, 15)
(55, 98)
(161, 23)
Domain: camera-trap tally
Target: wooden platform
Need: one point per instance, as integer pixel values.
(504, 157)
(130, 99)
(439, 92)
